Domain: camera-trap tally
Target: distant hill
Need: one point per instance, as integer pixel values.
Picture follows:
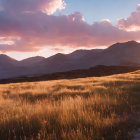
(6, 64)
(31, 60)
(83, 53)
(122, 54)
(119, 54)
(6, 60)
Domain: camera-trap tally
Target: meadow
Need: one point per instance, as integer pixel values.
(95, 108)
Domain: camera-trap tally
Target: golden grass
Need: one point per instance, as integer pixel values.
(105, 108)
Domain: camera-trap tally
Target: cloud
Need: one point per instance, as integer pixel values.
(132, 23)
(47, 6)
(34, 30)
(58, 50)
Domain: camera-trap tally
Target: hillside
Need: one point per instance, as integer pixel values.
(86, 108)
(96, 71)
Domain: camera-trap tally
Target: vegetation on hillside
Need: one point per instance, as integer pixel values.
(103, 108)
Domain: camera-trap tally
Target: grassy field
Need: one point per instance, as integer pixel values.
(104, 108)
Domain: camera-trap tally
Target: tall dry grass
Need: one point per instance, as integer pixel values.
(105, 108)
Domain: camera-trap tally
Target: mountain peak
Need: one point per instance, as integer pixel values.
(127, 45)
(31, 60)
(34, 58)
(5, 57)
(6, 60)
(57, 56)
(133, 43)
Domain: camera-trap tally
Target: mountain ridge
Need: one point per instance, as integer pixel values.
(118, 54)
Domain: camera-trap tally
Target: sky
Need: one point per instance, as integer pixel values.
(46, 27)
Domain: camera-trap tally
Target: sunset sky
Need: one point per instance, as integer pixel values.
(45, 27)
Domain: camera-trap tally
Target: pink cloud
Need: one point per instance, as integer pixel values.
(58, 50)
(32, 31)
(132, 23)
(47, 6)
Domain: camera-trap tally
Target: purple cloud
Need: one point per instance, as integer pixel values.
(132, 23)
(47, 6)
(31, 30)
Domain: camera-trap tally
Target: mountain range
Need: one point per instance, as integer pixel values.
(119, 54)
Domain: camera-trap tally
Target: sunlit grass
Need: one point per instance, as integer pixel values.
(79, 109)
